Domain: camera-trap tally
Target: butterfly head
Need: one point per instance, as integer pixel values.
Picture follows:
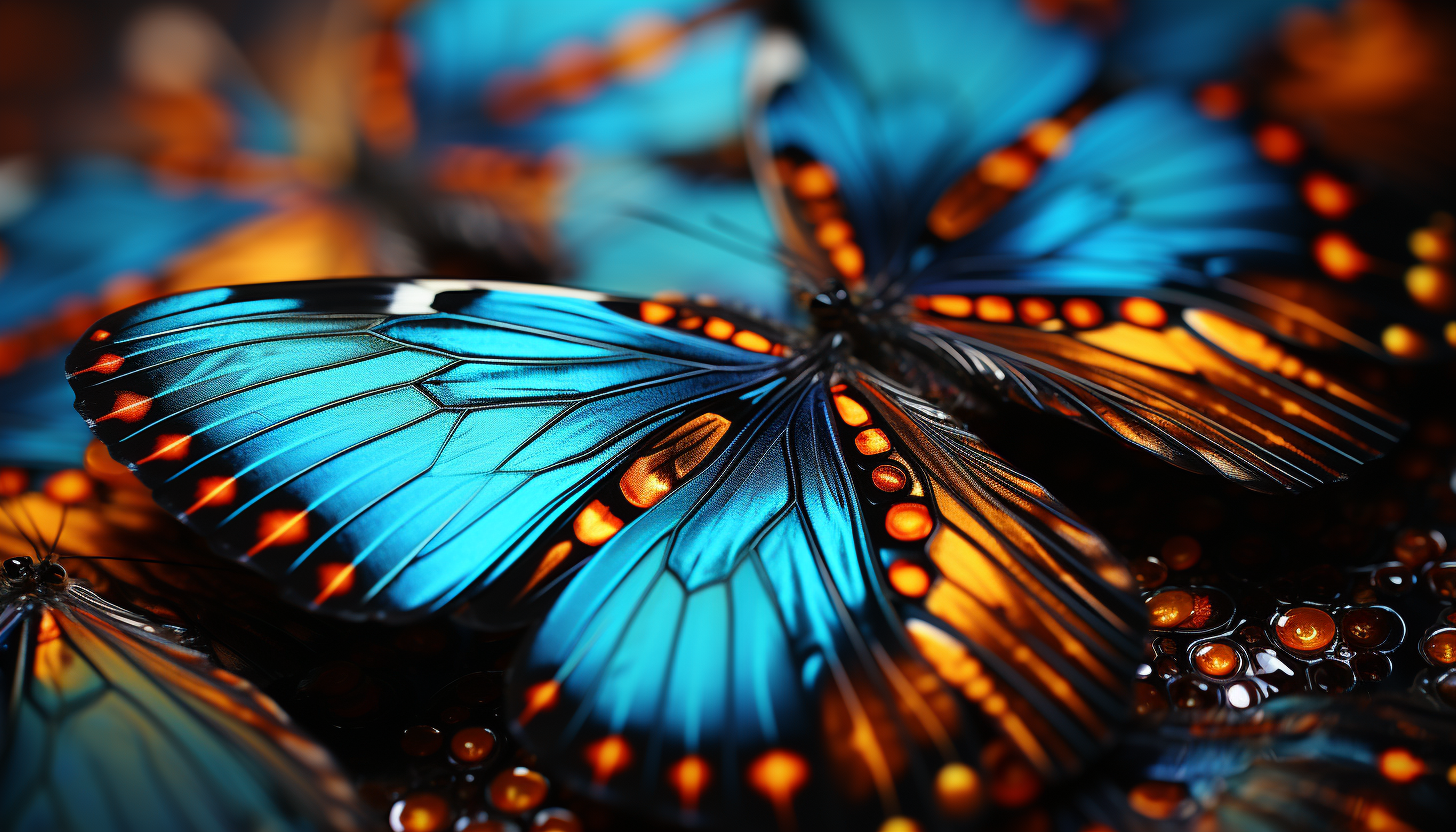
(24, 575)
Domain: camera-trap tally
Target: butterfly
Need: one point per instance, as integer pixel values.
(112, 724)
(778, 583)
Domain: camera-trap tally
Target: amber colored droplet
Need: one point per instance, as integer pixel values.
(556, 820)
(1008, 168)
(833, 232)
(596, 524)
(1157, 800)
(1431, 244)
(471, 745)
(718, 329)
(671, 459)
(1442, 580)
(1402, 342)
(851, 411)
(952, 306)
(1278, 143)
(488, 826)
(421, 740)
(1082, 313)
(1181, 552)
(995, 309)
(1446, 689)
(1148, 699)
(888, 478)
(753, 342)
(1339, 256)
(1367, 627)
(69, 487)
(813, 181)
(656, 313)
(1216, 659)
(1143, 312)
(1012, 782)
(1414, 547)
(518, 790)
(454, 714)
(1169, 608)
(1327, 196)
(1149, 573)
(1036, 310)
(421, 812)
(689, 776)
(908, 578)
(957, 790)
(899, 824)
(1393, 580)
(1219, 101)
(1305, 629)
(1400, 766)
(1431, 287)
(848, 259)
(1440, 647)
(608, 756)
(14, 481)
(908, 521)
(872, 441)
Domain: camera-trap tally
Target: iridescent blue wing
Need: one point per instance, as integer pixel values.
(388, 448)
(1112, 290)
(657, 77)
(854, 612)
(110, 726)
(897, 100)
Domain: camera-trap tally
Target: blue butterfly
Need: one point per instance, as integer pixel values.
(112, 725)
(779, 584)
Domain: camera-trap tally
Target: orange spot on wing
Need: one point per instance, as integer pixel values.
(1401, 766)
(128, 407)
(13, 481)
(692, 322)
(777, 775)
(908, 521)
(100, 335)
(833, 232)
(1403, 342)
(689, 776)
(334, 579)
(48, 631)
(951, 306)
(1327, 196)
(171, 446)
(1143, 312)
(69, 486)
(656, 313)
(851, 411)
(1036, 310)
(214, 491)
(995, 309)
(280, 528)
(542, 696)
(596, 524)
(1008, 168)
(888, 478)
(751, 341)
(1278, 143)
(908, 579)
(1049, 137)
(1339, 256)
(549, 561)
(1219, 101)
(106, 365)
(718, 329)
(848, 260)
(813, 181)
(608, 756)
(1082, 313)
(871, 442)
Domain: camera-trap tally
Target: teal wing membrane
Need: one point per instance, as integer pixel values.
(777, 643)
(111, 726)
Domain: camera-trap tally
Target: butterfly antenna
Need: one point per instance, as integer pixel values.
(5, 507)
(60, 526)
(174, 563)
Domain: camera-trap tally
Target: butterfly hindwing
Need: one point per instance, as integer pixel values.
(111, 726)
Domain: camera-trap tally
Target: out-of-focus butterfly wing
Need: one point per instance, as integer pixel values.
(388, 447)
(897, 100)
(854, 612)
(1107, 291)
(111, 726)
(656, 77)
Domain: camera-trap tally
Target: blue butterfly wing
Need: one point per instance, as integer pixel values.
(1146, 228)
(900, 99)
(421, 439)
(464, 51)
(110, 726)
(751, 651)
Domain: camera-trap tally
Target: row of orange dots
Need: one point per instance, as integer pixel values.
(575, 70)
(1080, 313)
(816, 187)
(1430, 282)
(714, 327)
(904, 521)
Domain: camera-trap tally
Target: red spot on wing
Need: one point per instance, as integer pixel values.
(214, 491)
(280, 528)
(128, 407)
(334, 579)
(106, 364)
(172, 446)
(540, 697)
(100, 335)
